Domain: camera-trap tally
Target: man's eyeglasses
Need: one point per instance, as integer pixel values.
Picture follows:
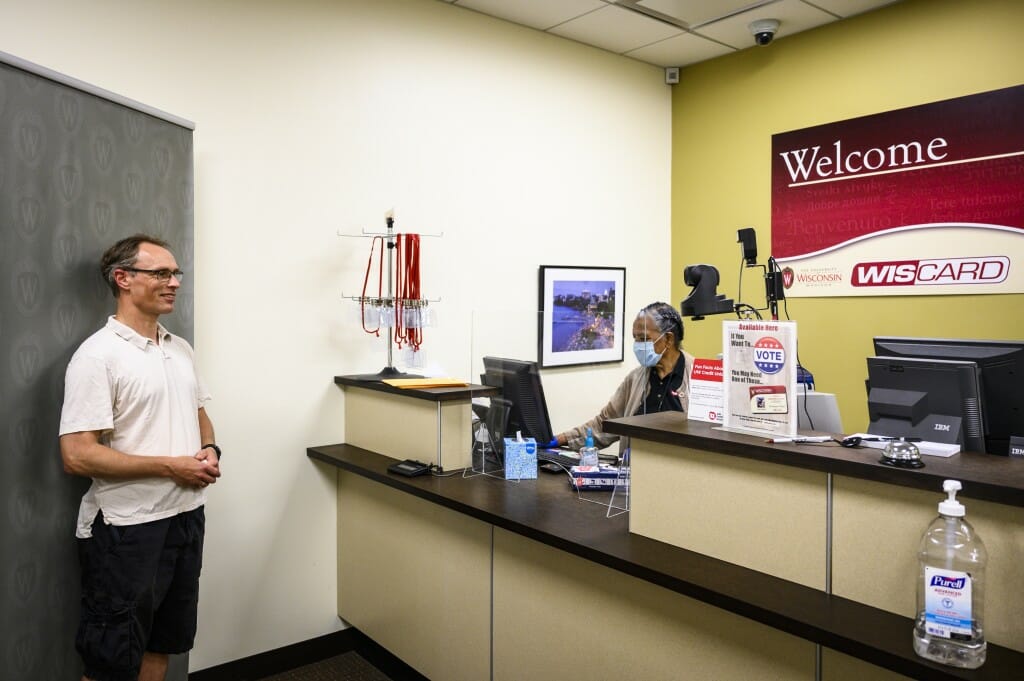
(162, 276)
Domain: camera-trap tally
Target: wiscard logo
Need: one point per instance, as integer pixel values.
(982, 270)
(948, 582)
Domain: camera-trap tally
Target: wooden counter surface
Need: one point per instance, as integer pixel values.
(984, 476)
(431, 394)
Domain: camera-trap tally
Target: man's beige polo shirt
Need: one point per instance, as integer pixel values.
(144, 397)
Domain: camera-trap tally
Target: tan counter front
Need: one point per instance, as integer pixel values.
(825, 516)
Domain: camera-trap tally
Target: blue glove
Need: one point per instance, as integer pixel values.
(551, 445)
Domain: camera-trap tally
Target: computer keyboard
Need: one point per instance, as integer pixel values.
(567, 457)
(563, 457)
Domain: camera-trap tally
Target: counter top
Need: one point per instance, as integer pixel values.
(432, 394)
(545, 510)
(984, 476)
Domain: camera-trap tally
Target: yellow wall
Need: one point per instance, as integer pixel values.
(725, 112)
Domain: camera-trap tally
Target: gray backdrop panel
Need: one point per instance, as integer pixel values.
(77, 172)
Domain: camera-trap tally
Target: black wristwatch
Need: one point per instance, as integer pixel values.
(214, 448)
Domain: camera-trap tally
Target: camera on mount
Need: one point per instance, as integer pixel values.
(704, 298)
(764, 30)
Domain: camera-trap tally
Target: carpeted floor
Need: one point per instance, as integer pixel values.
(347, 667)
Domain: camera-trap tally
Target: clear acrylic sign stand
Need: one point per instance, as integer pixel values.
(484, 448)
(617, 500)
(488, 444)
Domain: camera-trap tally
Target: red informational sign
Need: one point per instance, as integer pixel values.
(707, 370)
(923, 200)
(706, 398)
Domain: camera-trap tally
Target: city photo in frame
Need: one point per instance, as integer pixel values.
(581, 315)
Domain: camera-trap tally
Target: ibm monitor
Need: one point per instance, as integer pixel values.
(1001, 364)
(932, 399)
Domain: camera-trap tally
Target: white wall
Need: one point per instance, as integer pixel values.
(317, 116)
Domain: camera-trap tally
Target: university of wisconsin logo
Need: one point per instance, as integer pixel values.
(26, 360)
(133, 126)
(29, 216)
(29, 137)
(21, 656)
(25, 435)
(103, 217)
(103, 149)
(65, 248)
(69, 110)
(69, 181)
(27, 287)
(65, 318)
(161, 161)
(23, 508)
(133, 184)
(161, 220)
(23, 581)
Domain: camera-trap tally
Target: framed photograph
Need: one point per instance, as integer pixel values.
(581, 315)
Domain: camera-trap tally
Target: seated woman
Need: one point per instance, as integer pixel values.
(660, 383)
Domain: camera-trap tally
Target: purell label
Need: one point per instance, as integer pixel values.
(947, 603)
(948, 582)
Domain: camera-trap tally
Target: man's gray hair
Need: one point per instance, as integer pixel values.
(124, 254)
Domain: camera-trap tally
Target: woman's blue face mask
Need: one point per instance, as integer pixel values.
(645, 354)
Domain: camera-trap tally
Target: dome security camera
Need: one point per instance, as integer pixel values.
(764, 30)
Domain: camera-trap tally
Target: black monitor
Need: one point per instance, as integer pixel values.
(1001, 363)
(932, 399)
(521, 388)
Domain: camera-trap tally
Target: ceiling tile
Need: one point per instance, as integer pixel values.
(616, 29)
(795, 16)
(693, 12)
(542, 14)
(847, 8)
(680, 50)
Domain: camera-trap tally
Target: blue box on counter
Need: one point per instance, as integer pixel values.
(520, 459)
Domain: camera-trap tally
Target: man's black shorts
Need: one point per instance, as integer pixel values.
(140, 591)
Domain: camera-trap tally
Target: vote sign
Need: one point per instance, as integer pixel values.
(769, 355)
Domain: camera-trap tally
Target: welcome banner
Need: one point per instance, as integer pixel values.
(925, 200)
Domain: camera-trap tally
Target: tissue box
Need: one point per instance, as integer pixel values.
(520, 459)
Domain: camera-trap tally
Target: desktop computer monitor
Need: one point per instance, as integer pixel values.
(521, 388)
(1001, 364)
(932, 399)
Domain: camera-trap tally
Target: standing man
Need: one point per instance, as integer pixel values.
(133, 420)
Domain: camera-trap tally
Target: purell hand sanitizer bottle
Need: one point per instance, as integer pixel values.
(588, 454)
(951, 588)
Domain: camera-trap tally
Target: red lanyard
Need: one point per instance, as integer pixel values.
(407, 287)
